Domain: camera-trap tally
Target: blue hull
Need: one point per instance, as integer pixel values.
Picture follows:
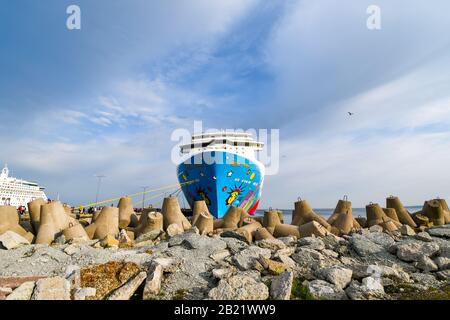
(233, 181)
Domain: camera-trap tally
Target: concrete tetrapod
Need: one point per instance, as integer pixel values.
(262, 234)
(199, 207)
(172, 214)
(204, 222)
(285, 230)
(247, 230)
(303, 213)
(149, 221)
(343, 212)
(233, 218)
(445, 208)
(9, 221)
(107, 223)
(402, 214)
(270, 220)
(125, 211)
(344, 222)
(434, 211)
(312, 228)
(47, 225)
(34, 209)
(374, 214)
(392, 215)
(388, 224)
(75, 231)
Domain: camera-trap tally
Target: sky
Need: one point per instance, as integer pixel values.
(105, 99)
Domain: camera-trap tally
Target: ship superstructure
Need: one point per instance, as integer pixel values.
(17, 192)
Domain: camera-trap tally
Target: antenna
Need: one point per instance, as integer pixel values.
(99, 177)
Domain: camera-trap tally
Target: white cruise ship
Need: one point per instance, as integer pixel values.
(18, 192)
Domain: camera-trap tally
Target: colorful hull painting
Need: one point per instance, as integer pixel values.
(233, 181)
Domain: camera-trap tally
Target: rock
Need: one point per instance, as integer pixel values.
(234, 234)
(71, 249)
(124, 238)
(109, 241)
(363, 246)
(288, 251)
(443, 263)
(330, 253)
(203, 243)
(425, 280)
(73, 275)
(414, 250)
(5, 290)
(337, 275)
(223, 272)
(406, 230)
(273, 267)
(247, 258)
(443, 275)
(220, 255)
(281, 286)
(370, 288)
(126, 291)
(174, 229)
(168, 264)
(311, 243)
(440, 232)
(288, 241)
(22, 292)
(235, 245)
(83, 293)
(376, 228)
(56, 288)
(60, 240)
(320, 289)
(107, 277)
(271, 244)
(239, 287)
(149, 236)
(287, 261)
(308, 258)
(378, 271)
(153, 282)
(423, 236)
(426, 264)
(381, 238)
(11, 240)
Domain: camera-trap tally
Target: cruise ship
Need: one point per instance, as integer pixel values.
(221, 168)
(18, 192)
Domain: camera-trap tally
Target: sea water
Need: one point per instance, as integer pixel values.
(326, 213)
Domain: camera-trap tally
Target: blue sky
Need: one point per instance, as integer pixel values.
(105, 99)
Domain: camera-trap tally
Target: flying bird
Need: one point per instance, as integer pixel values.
(350, 113)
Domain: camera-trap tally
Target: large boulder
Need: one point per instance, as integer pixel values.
(320, 289)
(56, 288)
(414, 250)
(281, 286)
(337, 275)
(11, 240)
(370, 288)
(248, 258)
(440, 232)
(364, 246)
(239, 287)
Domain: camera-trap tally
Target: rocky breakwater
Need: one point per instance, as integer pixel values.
(163, 255)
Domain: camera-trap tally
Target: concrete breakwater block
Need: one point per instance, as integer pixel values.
(403, 215)
(9, 221)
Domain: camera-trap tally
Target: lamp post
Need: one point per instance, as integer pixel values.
(143, 197)
(99, 177)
